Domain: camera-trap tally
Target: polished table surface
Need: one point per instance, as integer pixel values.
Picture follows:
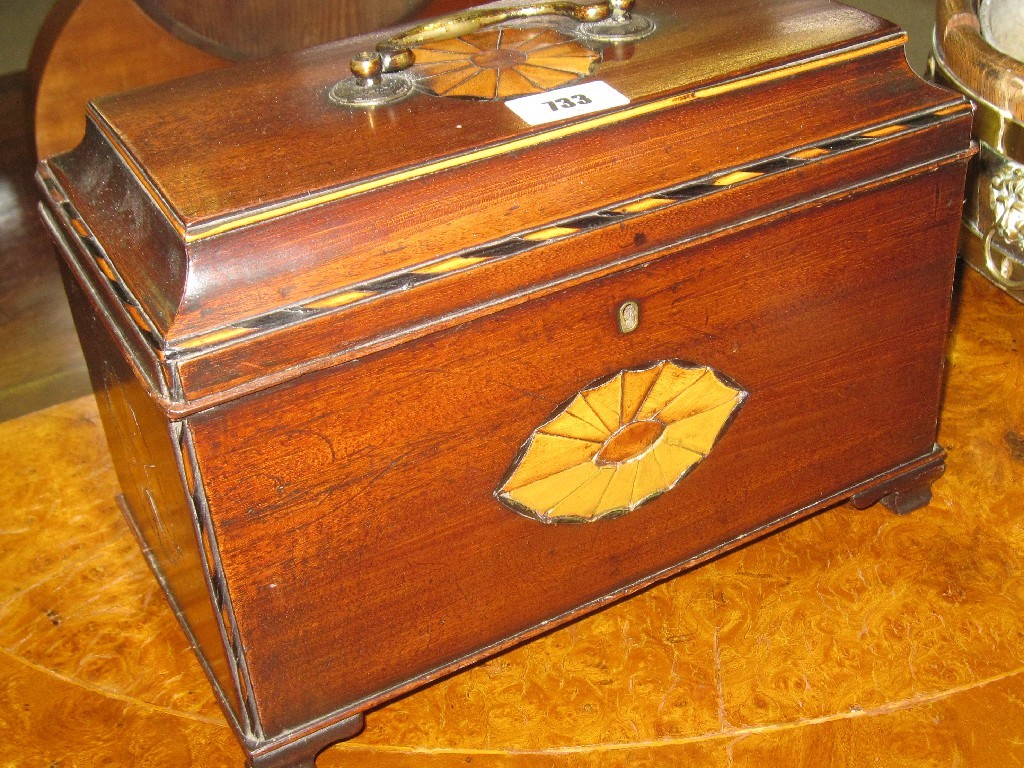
(853, 638)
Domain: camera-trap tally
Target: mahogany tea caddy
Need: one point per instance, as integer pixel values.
(404, 366)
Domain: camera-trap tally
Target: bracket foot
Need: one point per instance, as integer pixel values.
(302, 752)
(906, 491)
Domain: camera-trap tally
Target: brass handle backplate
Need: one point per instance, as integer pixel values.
(376, 75)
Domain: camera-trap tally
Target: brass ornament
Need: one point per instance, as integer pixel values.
(629, 317)
(1006, 196)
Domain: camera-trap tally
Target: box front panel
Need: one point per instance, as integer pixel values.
(355, 508)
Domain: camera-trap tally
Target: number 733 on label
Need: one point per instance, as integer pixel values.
(564, 103)
(569, 102)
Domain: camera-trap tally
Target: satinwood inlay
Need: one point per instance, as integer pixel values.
(620, 444)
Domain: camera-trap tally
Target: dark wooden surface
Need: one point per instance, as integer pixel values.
(212, 283)
(144, 453)
(372, 324)
(91, 48)
(242, 29)
(296, 150)
(40, 361)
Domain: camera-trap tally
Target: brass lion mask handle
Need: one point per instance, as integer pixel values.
(608, 21)
(1006, 194)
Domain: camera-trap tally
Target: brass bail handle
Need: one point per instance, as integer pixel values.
(610, 21)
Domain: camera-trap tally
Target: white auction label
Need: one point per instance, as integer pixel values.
(564, 103)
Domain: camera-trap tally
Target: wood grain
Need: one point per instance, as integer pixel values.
(298, 123)
(168, 277)
(40, 360)
(773, 457)
(91, 48)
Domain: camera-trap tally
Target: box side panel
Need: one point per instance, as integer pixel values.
(147, 461)
(362, 542)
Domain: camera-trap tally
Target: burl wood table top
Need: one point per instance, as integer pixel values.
(854, 638)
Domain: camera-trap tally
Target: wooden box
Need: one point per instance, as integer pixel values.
(392, 387)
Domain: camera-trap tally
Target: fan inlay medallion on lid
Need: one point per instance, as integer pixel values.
(502, 64)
